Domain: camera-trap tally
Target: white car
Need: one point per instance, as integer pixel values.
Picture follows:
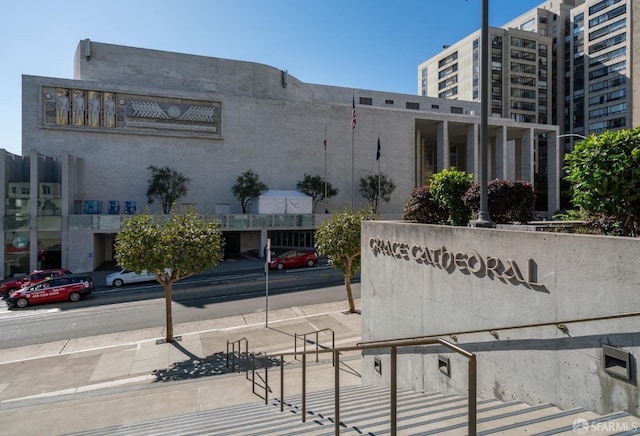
(125, 277)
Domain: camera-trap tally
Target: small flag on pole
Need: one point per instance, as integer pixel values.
(378, 153)
(353, 114)
(325, 143)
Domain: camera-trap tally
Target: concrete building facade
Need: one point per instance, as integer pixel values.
(87, 143)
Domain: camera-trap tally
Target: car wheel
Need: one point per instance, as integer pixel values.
(117, 283)
(22, 302)
(280, 266)
(310, 262)
(74, 296)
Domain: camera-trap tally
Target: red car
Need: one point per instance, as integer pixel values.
(294, 258)
(60, 288)
(31, 279)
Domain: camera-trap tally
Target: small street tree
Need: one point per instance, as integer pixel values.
(170, 247)
(248, 186)
(338, 239)
(604, 172)
(369, 189)
(167, 185)
(314, 187)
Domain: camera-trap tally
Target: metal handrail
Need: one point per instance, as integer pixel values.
(393, 346)
(493, 331)
(233, 353)
(304, 341)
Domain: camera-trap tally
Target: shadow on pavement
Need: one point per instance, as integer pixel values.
(214, 364)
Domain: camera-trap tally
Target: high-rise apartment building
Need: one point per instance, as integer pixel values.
(566, 62)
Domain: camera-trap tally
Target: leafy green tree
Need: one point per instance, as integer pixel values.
(447, 189)
(369, 189)
(171, 247)
(314, 187)
(248, 186)
(338, 239)
(604, 172)
(167, 185)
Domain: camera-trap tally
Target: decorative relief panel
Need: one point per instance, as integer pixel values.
(88, 109)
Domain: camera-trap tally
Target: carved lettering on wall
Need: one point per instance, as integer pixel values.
(471, 262)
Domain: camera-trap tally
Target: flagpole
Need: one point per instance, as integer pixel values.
(353, 153)
(326, 209)
(378, 159)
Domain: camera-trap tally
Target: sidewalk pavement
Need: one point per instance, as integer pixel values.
(88, 383)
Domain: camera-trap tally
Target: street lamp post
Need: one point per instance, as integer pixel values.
(568, 135)
(483, 219)
(572, 134)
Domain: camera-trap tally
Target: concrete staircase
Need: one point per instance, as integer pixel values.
(365, 410)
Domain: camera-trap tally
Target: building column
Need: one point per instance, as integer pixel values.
(528, 156)
(443, 151)
(554, 162)
(263, 243)
(419, 158)
(34, 180)
(67, 204)
(3, 211)
(502, 153)
(473, 151)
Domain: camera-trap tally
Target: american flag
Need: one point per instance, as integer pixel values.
(353, 114)
(378, 153)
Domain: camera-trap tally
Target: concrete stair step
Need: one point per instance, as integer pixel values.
(365, 410)
(619, 423)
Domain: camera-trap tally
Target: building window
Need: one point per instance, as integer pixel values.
(607, 16)
(602, 5)
(388, 102)
(528, 25)
(618, 39)
(411, 105)
(620, 24)
(616, 81)
(522, 42)
(366, 101)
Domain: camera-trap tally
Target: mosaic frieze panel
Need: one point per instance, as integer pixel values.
(83, 108)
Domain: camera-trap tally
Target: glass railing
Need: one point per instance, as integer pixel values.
(114, 223)
(227, 222)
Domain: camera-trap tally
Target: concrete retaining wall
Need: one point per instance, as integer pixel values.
(435, 280)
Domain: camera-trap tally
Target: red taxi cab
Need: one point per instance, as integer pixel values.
(61, 288)
(30, 279)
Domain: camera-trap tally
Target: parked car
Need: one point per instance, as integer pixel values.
(294, 258)
(125, 277)
(60, 288)
(31, 279)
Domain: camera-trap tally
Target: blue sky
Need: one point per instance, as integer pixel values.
(368, 44)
